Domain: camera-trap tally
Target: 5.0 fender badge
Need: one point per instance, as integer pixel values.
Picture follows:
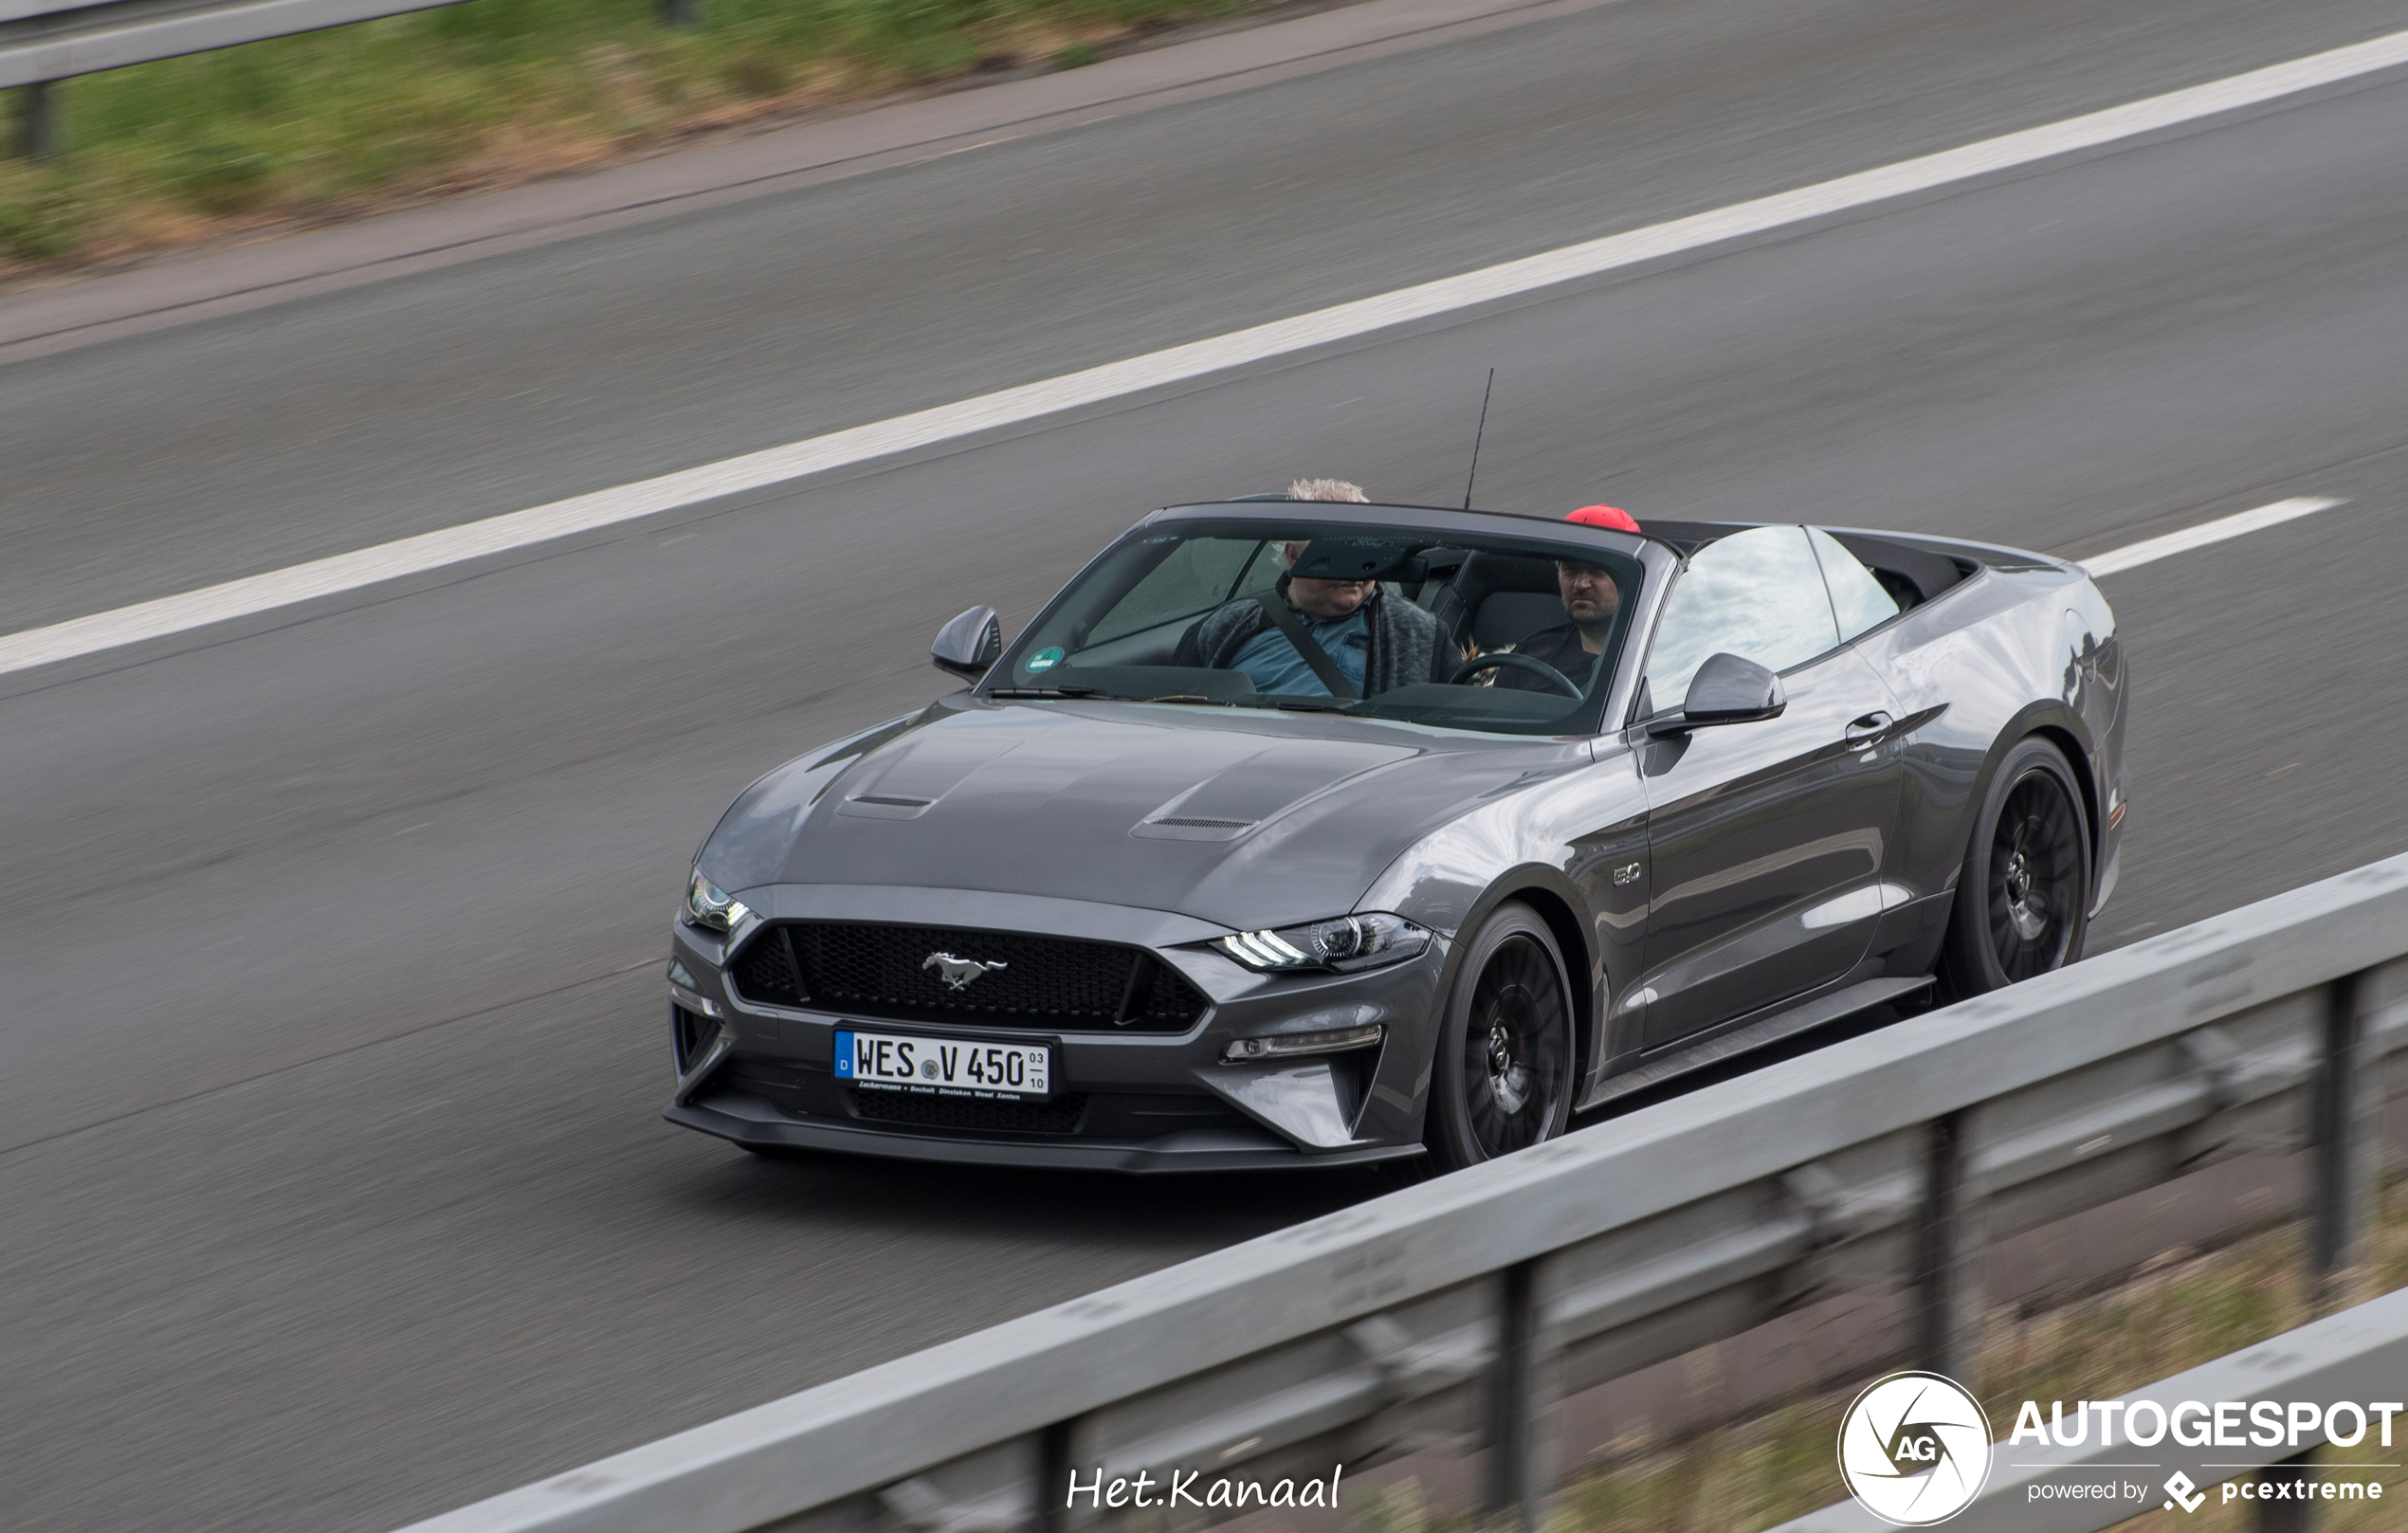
(1629, 873)
(958, 973)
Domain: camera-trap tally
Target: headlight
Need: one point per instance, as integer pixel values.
(1345, 945)
(711, 907)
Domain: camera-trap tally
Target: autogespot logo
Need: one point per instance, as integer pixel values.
(1915, 1448)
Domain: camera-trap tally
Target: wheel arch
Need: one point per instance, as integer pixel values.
(2093, 821)
(2063, 728)
(1553, 899)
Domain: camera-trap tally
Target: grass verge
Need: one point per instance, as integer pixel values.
(1752, 1474)
(334, 123)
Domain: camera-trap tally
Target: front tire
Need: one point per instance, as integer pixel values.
(1503, 1080)
(2024, 897)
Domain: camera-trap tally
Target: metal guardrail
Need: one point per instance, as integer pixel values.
(43, 42)
(1455, 1311)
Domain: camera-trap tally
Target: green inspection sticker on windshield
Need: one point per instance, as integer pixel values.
(1044, 660)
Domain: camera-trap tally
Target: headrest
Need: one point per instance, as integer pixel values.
(1484, 573)
(1351, 559)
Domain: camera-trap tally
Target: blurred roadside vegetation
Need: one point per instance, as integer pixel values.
(2184, 1310)
(330, 124)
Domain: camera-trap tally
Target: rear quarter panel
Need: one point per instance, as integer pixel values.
(2027, 646)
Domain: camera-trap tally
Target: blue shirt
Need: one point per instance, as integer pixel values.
(1273, 663)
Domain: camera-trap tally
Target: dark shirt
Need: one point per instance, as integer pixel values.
(1558, 647)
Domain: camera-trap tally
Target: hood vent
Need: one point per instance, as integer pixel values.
(1193, 828)
(884, 807)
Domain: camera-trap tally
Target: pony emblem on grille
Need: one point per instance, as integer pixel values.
(958, 973)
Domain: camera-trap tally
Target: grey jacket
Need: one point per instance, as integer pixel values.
(1407, 645)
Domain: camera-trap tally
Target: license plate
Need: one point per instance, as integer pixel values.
(946, 1067)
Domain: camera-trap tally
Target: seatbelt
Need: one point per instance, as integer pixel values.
(1275, 608)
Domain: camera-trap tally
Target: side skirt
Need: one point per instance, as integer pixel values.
(1820, 1011)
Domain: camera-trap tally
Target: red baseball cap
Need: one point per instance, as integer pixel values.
(1605, 515)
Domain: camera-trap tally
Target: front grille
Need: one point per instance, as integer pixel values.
(768, 969)
(881, 970)
(1058, 1115)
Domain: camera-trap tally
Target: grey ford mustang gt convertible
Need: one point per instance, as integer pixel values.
(1297, 834)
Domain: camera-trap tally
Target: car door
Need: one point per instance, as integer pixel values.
(1767, 840)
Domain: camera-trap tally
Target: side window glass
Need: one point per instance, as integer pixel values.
(1758, 593)
(1195, 578)
(1856, 595)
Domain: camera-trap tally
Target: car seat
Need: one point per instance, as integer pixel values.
(1498, 599)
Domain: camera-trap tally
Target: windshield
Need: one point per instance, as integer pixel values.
(1513, 635)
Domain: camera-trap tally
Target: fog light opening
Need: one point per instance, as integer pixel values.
(1290, 1045)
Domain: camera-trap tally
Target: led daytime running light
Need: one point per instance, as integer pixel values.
(1265, 950)
(1343, 944)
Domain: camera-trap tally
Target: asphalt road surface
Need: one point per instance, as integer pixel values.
(334, 1188)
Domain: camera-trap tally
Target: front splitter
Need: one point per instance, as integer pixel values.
(783, 1133)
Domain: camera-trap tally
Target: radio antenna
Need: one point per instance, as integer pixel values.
(1475, 438)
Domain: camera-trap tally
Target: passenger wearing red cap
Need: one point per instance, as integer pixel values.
(1589, 599)
(1605, 515)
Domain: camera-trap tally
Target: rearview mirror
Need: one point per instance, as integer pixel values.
(1727, 689)
(970, 645)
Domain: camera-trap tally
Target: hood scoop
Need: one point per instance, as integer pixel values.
(1191, 828)
(885, 806)
(1258, 787)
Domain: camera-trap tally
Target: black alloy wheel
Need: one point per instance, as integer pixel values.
(1503, 1077)
(2023, 906)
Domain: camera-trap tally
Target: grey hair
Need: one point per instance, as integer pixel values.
(1326, 489)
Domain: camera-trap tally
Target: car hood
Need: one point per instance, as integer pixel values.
(1246, 818)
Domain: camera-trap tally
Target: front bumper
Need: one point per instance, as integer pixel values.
(1133, 1101)
(749, 1121)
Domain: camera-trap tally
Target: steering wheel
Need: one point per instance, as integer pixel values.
(1556, 680)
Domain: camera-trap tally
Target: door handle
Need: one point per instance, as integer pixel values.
(1868, 730)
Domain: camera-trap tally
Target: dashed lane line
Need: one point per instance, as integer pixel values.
(752, 472)
(2236, 525)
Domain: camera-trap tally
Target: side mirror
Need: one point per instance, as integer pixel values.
(970, 645)
(1727, 689)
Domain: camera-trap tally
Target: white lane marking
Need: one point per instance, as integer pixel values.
(1032, 401)
(2236, 525)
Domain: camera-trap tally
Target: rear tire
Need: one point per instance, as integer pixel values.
(1503, 1075)
(2024, 897)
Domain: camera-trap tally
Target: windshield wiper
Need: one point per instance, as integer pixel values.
(1049, 692)
(1301, 705)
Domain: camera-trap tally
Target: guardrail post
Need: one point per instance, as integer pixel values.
(1521, 1473)
(1054, 1480)
(2341, 1128)
(40, 134)
(1946, 1246)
